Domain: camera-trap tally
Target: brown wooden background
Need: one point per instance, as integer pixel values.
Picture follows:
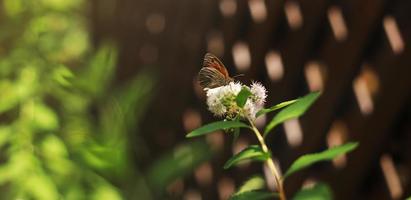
(357, 51)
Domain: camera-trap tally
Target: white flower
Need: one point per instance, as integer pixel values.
(259, 93)
(250, 109)
(221, 101)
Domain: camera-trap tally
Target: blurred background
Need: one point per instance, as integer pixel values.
(96, 97)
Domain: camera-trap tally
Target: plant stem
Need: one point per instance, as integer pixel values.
(270, 162)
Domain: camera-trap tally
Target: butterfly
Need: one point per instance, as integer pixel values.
(213, 73)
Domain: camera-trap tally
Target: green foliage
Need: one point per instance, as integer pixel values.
(42, 116)
(318, 192)
(254, 187)
(255, 195)
(215, 126)
(5, 133)
(40, 186)
(329, 154)
(274, 108)
(254, 183)
(253, 152)
(178, 163)
(63, 76)
(95, 78)
(296, 109)
(236, 131)
(104, 191)
(52, 146)
(242, 97)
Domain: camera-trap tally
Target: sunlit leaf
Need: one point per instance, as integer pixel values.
(254, 183)
(41, 186)
(28, 81)
(296, 109)
(56, 155)
(42, 116)
(252, 152)
(74, 44)
(13, 7)
(9, 97)
(53, 147)
(61, 4)
(105, 191)
(242, 96)
(5, 133)
(329, 154)
(74, 191)
(254, 195)
(274, 108)
(62, 75)
(20, 162)
(318, 192)
(215, 126)
(39, 158)
(22, 88)
(94, 160)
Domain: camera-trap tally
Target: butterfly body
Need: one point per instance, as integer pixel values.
(213, 73)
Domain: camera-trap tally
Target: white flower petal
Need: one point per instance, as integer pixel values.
(221, 101)
(259, 93)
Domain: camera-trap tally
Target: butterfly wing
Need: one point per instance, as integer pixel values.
(212, 61)
(211, 78)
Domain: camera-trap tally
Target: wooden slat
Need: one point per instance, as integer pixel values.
(343, 59)
(395, 82)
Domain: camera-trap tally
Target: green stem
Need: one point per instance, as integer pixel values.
(270, 162)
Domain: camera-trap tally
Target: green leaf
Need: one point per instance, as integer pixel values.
(62, 75)
(254, 183)
(5, 133)
(242, 96)
(320, 191)
(209, 128)
(98, 75)
(236, 131)
(10, 96)
(177, 163)
(40, 186)
(252, 152)
(297, 109)
(274, 108)
(105, 191)
(254, 195)
(53, 147)
(127, 105)
(236, 134)
(42, 116)
(309, 159)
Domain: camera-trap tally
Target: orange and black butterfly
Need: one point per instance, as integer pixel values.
(213, 73)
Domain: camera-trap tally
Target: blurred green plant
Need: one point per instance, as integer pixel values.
(64, 130)
(241, 112)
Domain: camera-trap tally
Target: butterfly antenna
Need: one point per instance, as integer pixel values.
(238, 75)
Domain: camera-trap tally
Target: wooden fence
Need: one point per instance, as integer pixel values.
(356, 51)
